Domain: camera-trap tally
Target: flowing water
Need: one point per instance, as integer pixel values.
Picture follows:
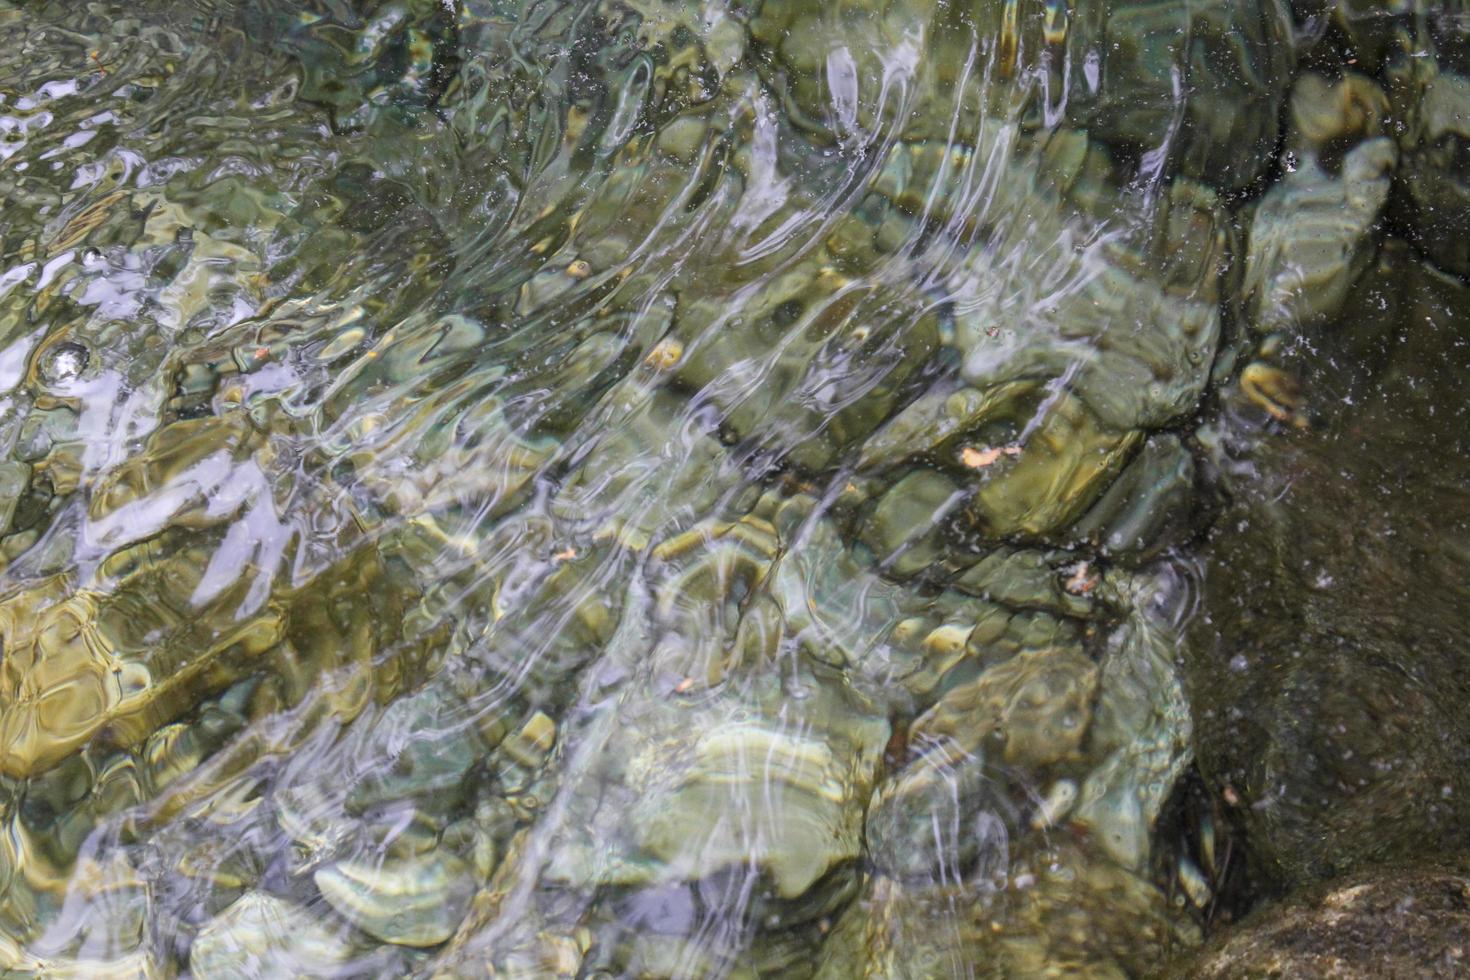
(670, 487)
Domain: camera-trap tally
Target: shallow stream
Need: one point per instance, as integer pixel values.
(722, 488)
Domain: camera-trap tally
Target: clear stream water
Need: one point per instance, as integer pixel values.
(673, 488)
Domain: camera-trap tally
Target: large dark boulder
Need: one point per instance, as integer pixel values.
(1328, 670)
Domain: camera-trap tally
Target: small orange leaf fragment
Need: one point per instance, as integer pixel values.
(977, 458)
(1082, 580)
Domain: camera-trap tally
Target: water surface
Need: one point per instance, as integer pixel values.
(665, 488)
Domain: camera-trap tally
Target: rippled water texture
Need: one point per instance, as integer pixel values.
(667, 488)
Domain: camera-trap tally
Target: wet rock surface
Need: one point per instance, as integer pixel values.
(1328, 672)
(1395, 923)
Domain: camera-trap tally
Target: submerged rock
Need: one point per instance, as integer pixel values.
(261, 935)
(1434, 105)
(1314, 232)
(1057, 912)
(414, 901)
